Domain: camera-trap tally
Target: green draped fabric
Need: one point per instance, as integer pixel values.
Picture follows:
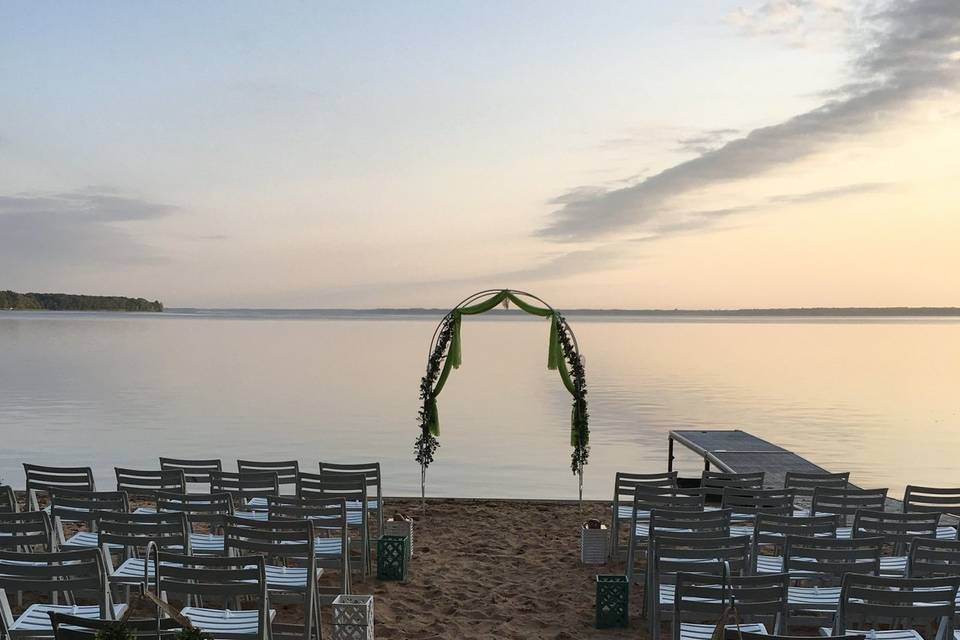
(529, 308)
(485, 305)
(442, 380)
(433, 419)
(553, 354)
(555, 358)
(454, 355)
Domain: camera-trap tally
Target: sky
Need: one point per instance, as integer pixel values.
(644, 154)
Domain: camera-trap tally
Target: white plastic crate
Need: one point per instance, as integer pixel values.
(352, 632)
(354, 614)
(593, 545)
(400, 528)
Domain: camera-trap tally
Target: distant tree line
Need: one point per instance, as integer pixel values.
(70, 302)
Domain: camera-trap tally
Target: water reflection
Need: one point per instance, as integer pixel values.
(876, 398)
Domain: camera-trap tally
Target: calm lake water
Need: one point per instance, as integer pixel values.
(876, 397)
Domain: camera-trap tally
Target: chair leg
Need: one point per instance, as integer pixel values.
(308, 616)
(318, 616)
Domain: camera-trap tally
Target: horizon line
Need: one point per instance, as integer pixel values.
(747, 311)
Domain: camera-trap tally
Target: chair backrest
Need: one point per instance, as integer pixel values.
(26, 531)
(145, 483)
(672, 555)
(69, 627)
(754, 501)
(935, 499)
(701, 597)
(712, 483)
(309, 485)
(246, 485)
(286, 470)
(352, 487)
(273, 538)
(327, 514)
(369, 470)
(678, 523)
(58, 572)
(827, 560)
(210, 509)
(771, 530)
(134, 531)
(803, 484)
(41, 479)
(193, 470)
(932, 557)
(624, 483)
(846, 502)
(217, 577)
(650, 498)
(897, 529)
(83, 506)
(8, 500)
(736, 634)
(903, 602)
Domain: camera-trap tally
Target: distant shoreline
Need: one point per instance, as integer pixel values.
(33, 301)
(812, 312)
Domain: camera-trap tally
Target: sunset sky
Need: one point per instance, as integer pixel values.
(695, 154)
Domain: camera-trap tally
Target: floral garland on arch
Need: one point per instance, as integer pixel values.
(445, 355)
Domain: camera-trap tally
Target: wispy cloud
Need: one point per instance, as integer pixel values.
(706, 140)
(799, 23)
(912, 54)
(689, 221)
(73, 229)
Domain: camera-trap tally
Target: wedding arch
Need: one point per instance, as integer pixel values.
(563, 356)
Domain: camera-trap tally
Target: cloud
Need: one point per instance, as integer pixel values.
(687, 221)
(614, 254)
(705, 141)
(912, 54)
(799, 23)
(563, 265)
(82, 228)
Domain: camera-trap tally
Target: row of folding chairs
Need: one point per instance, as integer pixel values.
(300, 540)
(250, 486)
(253, 479)
(768, 533)
(226, 597)
(880, 608)
(197, 521)
(74, 517)
(832, 492)
(770, 518)
(812, 570)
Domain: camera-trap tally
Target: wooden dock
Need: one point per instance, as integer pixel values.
(736, 451)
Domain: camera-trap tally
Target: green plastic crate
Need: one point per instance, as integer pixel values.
(392, 558)
(613, 601)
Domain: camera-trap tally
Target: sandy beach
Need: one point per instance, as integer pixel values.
(495, 568)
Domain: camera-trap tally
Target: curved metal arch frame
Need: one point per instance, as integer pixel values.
(486, 292)
(475, 297)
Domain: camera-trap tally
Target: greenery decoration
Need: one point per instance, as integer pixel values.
(192, 633)
(115, 631)
(445, 355)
